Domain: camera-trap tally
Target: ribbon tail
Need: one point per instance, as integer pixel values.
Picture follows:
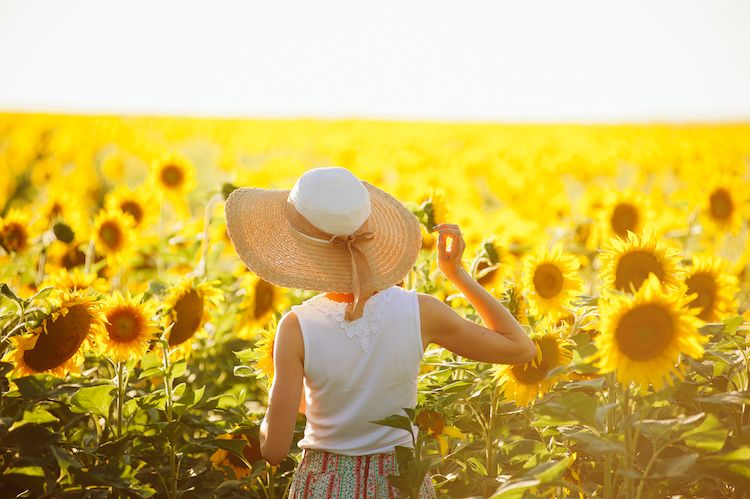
(353, 310)
(361, 283)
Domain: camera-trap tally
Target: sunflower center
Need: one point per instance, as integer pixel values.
(73, 258)
(189, 312)
(172, 176)
(532, 373)
(487, 278)
(634, 267)
(61, 341)
(431, 421)
(111, 234)
(644, 332)
(14, 237)
(134, 209)
(124, 325)
(721, 204)
(704, 284)
(548, 280)
(55, 210)
(264, 293)
(251, 452)
(624, 218)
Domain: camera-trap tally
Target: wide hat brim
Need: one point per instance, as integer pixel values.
(268, 245)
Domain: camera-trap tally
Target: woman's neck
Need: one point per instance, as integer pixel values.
(336, 296)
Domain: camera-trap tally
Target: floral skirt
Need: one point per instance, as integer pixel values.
(326, 475)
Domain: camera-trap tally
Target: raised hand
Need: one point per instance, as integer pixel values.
(449, 261)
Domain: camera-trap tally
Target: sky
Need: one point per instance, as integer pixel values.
(525, 61)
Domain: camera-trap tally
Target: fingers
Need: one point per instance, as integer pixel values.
(445, 254)
(452, 228)
(458, 244)
(456, 247)
(449, 229)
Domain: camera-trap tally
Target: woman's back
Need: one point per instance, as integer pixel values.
(332, 231)
(359, 371)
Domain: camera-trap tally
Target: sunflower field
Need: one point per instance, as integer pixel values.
(137, 348)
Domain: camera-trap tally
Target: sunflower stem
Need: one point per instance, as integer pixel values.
(119, 276)
(40, 268)
(478, 414)
(608, 457)
(120, 396)
(744, 408)
(647, 470)
(271, 491)
(89, 256)
(629, 449)
(99, 430)
(172, 456)
(203, 265)
(488, 438)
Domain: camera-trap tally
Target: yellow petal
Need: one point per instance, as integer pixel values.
(443, 445)
(454, 432)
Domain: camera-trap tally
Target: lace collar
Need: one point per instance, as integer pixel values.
(366, 326)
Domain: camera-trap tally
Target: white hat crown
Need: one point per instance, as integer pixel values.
(331, 198)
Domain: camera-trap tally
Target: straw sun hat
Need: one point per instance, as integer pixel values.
(330, 232)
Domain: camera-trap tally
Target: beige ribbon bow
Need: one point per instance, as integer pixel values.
(362, 281)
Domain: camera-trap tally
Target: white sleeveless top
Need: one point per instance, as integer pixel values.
(358, 371)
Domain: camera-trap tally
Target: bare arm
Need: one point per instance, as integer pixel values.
(503, 341)
(277, 427)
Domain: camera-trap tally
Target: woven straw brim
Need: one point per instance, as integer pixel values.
(268, 245)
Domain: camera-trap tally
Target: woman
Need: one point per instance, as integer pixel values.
(356, 347)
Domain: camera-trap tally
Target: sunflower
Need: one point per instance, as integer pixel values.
(725, 202)
(434, 424)
(262, 355)
(14, 232)
(174, 176)
(129, 326)
(261, 302)
(57, 345)
(74, 279)
(524, 383)
(262, 352)
(516, 303)
(251, 453)
(435, 212)
(438, 211)
(187, 305)
(492, 264)
(113, 234)
(45, 170)
(623, 211)
(715, 288)
(642, 335)
(550, 278)
(114, 167)
(136, 203)
(428, 238)
(63, 206)
(66, 255)
(173, 173)
(626, 264)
